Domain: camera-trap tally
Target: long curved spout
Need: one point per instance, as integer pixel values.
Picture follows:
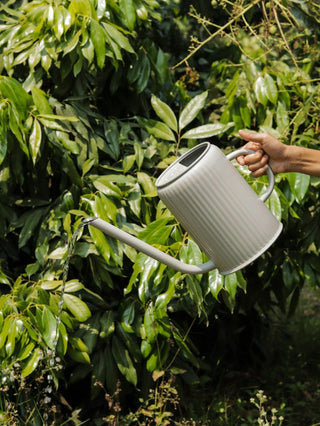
(146, 248)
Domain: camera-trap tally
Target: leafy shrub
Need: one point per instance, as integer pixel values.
(73, 76)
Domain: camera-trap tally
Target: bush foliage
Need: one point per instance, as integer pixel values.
(96, 99)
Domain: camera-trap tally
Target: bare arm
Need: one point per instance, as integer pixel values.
(280, 157)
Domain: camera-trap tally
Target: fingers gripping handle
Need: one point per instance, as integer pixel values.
(270, 174)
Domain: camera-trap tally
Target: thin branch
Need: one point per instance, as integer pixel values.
(284, 39)
(220, 30)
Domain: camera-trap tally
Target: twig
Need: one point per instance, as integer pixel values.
(220, 30)
(285, 40)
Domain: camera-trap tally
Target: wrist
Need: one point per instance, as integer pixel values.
(302, 160)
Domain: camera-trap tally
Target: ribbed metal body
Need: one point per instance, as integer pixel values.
(218, 208)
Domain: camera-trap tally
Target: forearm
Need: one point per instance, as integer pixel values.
(302, 160)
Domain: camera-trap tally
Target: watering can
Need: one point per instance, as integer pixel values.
(216, 206)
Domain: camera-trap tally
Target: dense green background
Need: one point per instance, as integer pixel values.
(97, 97)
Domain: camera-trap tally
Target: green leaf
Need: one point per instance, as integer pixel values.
(40, 101)
(260, 90)
(58, 22)
(164, 112)
(128, 162)
(159, 130)
(26, 351)
(150, 324)
(148, 186)
(104, 208)
(215, 283)
(81, 7)
(3, 145)
(69, 168)
(4, 331)
(145, 70)
(194, 289)
(271, 89)
(81, 357)
(99, 42)
(274, 204)
(32, 220)
(51, 124)
(118, 37)
(192, 109)
(11, 89)
(123, 361)
(206, 131)
(107, 325)
(35, 140)
(165, 298)
(282, 118)
(146, 348)
(106, 185)
(11, 339)
(49, 327)
(32, 362)
(156, 232)
(77, 307)
(162, 66)
(245, 112)
(231, 284)
(68, 144)
(139, 154)
(72, 286)
(299, 184)
(129, 13)
(16, 128)
(63, 339)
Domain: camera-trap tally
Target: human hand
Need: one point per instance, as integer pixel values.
(268, 152)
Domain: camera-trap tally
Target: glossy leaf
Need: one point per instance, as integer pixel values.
(164, 112)
(35, 140)
(3, 146)
(143, 79)
(123, 361)
(26, 351)
(271, 89)
(299, 184)
(231, 284)
(11, 89)
(206, 131)
(40, 101)
(165, 298)
(129, 13)
(215, 283)
(192, 109)
(32, 362)
(260, 90)
(160, 130)
(32, 220)
(274, 205)
(98, 40)
(118, 37)
(49, 327)
(150, 324)
(77, 307)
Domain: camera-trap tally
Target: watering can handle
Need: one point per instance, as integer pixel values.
(243, 151)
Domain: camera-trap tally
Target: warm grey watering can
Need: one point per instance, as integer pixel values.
(216, 206)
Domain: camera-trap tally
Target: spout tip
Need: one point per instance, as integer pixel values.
(88, 220)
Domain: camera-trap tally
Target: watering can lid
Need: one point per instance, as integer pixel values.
(182, 164)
